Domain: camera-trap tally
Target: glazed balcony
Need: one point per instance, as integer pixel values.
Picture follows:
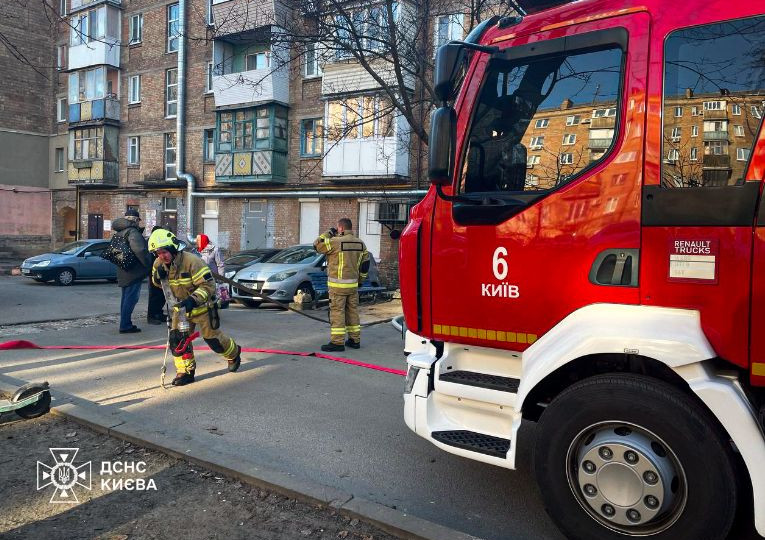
(95, 111)
(237, 16)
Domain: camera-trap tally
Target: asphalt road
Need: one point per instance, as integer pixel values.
(327, 422)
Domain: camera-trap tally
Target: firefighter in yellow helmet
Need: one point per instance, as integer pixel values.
(347, 266)
(190, 281)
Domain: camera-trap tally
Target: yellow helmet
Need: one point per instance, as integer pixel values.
(162, 238)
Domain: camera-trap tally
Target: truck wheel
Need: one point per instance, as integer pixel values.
(630, 456)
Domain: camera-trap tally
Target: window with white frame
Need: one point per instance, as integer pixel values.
(87, 85)
(171, 93)
(695, 110)
(208, 149)
(738, 131)
(360, 117)
(713, 106)
(694, 154)
(170, 156)
(569, 138)
(573, 120)
(755, 110)
(134, 151)
(87, 143)
(537, 143)
(61, 108)
(676, 132)
(134, 89)
(210, 14)
(542, 123)
(212, 207)
(257, 60)
(678, 112)
(673, 155)
(533, 160)
(95, 24)
(736, 109)
(715, 148)
(311, 137)
(604, 113)
(694, 131)
(209, 77)
(173, 26)
(61, 57)
(62, 8)
(532, 180)
(567, 158)
(59, 160)
(742, 154)
(715, 125)
(311, 67)
(136, 28)
(448, 28)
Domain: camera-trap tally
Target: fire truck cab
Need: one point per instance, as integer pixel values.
(591, 257)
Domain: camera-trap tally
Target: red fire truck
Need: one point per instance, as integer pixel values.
(591, 257)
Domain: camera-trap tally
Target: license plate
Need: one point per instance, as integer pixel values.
(26, 271)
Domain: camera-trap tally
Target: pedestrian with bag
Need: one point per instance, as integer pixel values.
(347, 266)
(212, 257)
(132, 268)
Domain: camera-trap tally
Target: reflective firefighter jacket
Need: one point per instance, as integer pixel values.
(347, 259)
(188, 275)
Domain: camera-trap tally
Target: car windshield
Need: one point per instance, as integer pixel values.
(244, 258)
(71, 249)
(296, 255)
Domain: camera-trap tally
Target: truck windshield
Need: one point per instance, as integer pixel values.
(539, 122)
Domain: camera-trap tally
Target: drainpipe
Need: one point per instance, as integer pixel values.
(180, 154)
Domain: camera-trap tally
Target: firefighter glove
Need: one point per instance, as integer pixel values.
(161, 272)
(187, 304)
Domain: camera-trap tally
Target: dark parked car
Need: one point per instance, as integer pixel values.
(78, 260)
(239, 260)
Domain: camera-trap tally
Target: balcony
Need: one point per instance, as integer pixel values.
(95, 111)
(716, 114)
(260, 166)
(715, 135)
(600, 143)
(236, 16)
(95, 53)
(604, 122)
(350, 77)
(251, 87)
(95, 173)
(77, 5)
(716, 161)
(380, 156)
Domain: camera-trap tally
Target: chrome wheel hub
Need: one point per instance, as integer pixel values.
(626, 478)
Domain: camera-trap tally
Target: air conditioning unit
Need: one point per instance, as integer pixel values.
(392, 212)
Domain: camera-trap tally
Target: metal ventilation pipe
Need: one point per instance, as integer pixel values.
(180, 126)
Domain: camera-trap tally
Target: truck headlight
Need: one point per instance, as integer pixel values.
(411, 377)
(281, 276)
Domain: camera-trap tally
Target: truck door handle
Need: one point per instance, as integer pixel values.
(616, 267)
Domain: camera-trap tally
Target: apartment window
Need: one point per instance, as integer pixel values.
(569, 138)
(755, 110)
(173, 22)
(136, 28)
(537, 143)
(603, 113)
(694, 131)
(447, 28)
(694, 154)
(532, 180)
(210, 14)
(715, 125)
(171, 93)
(311, 137)
(258, 60)
(673, 155)
(88, 143)
(715, 148)
(134, 150)
(62, 8)
(713, 105)
(61, 109)
(695, 110)
(61, 57)
(567, 158)
(573, 120)
(738, 131)
(169, 204)
(736, 109)
(208, 150)
(59, 160)
(209, 77)
(170, 148)
(87, 85)
(742, 154)
(533, 160)
(365, 116)
(676, 132)
(678, 112)
(212, 207)
(311, 68)
(134, 89)
(542, 123)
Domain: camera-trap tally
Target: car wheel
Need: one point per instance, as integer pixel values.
(65, 276)
(630, 456)
(248, 303)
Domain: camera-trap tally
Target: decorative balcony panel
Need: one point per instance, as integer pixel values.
(95, 53)
(251, 167)
(251, 87)
(93, 173)
(95, 111)
(237, 16)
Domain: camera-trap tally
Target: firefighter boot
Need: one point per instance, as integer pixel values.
(332, 347)
(233, 365)
(352, 344)
(182, 379)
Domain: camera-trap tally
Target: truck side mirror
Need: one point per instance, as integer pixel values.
(449, 59)
(442, 145)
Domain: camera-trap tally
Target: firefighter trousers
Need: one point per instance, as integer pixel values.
(217, 340)
(344, 315)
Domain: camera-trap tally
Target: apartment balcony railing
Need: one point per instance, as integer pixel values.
(97, 110)
(715, 135)
(604, 122)
(251, 87)
(237, 16)
(251, 167)
(600, 143)
(380, 156)
(716, 114)
(93, 172)
(95, 53)
(77, 5)
(716, 161)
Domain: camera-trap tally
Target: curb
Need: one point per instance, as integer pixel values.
(115, 422)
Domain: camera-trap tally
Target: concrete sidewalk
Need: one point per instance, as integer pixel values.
(331, 431)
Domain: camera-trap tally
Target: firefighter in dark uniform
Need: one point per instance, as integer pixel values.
(191, 283)
(347, 267)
